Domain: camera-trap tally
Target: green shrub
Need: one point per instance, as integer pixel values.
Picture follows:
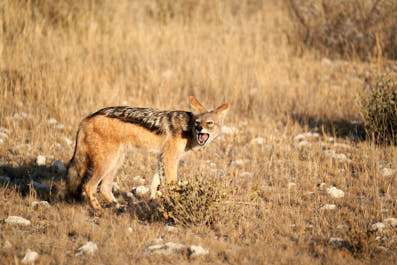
(378, 109)
(198, 202)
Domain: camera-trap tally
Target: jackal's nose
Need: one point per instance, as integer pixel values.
(199, 128)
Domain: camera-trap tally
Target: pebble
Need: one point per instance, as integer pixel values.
(258, 141)
(387, 172)
(329, 207)
(17, 220)
(335, 193)
(303, 144)
(168, 248)
(52, 121)
(391, 221)
(140, 190)
(36, 204)
(378, 226)
(30, 257)
(40, 160)
(195, 251)
(7, 245)
(138, 179)
(88, 248)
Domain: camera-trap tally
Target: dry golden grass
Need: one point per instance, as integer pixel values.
(65, 60)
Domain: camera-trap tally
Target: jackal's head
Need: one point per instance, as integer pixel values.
(208, 123)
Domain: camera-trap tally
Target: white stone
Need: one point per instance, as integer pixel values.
(88, 248)
(52, 121)
(67, 141)
(258, 141)
(195, 251)
(329, 207)
(138, 179)
(17, 220)
(335, 193)
(378, 226)
(1, 141)
(7, 244)
(336, 241)
(239, 162)
(291, 185)
(59, 166)
(40, 160)
(332, 154)
(59, 126)
(168, 248)
(387, 172)
(140, 190)
(130, 229)
(30, 257)
(245, 174)
(36, 204)
(390, 221)
(229, 130)
(213, 165)
(157, 241)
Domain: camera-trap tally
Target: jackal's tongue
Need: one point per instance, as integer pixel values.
(203, 137)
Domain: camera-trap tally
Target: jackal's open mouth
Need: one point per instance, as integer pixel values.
(202, 138)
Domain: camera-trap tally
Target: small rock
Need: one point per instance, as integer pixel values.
(337, 241)
(195, 251)
(335, 193)
(7, 244)
(303, 136)
(88, 248)
(329, 207)
(130, 229)
(67, 141)
(140, 190)
(390, 221)
(332, 154)
(213, 165)
(1, 141)
(245, 174)
(17, 220)
(40, 160)
(36, 204)
(168, 248)
(257, 141)
(59, 126)
(138, 179)
(52, 121)
(239, 162)
(30, 257)
(291, 185)
(4, 130)
(378, 226)
(59, 166)
(387, 172)
(229, 130)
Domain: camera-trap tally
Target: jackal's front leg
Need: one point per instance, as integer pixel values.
(167, 166)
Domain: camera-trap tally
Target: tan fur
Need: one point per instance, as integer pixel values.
(101, 142)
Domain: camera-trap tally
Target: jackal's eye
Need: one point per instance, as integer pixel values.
(210, 123)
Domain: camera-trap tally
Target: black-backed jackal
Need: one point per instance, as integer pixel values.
(102, 137)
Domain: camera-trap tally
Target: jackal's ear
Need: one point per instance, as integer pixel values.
(197, 107)
(222, 110)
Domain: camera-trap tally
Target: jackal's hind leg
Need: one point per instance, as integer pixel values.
(107, 181)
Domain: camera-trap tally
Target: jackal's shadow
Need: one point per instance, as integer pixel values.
(29, 178)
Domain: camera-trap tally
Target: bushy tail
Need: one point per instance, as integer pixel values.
(78, 167)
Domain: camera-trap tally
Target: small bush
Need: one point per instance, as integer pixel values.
(198, 202)
(353, 28)
(378, 109)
